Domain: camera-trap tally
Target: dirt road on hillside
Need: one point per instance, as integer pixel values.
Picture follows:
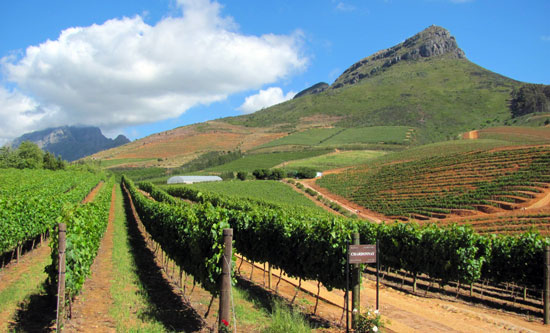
(352, 207)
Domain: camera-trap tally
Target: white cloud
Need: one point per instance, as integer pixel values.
(345, 7)
(18, 113)
(264, 99)
(126, 72)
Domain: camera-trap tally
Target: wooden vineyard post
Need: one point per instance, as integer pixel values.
(547, 286)
(356, 288)
(225, 282)
(269, 276)
(61, 277)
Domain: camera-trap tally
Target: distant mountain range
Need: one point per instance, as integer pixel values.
(71, 142)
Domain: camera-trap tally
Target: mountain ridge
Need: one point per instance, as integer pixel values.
(71, 142)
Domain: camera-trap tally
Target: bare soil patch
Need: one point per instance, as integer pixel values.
(471, 135)
(406, 311)
(91, 196)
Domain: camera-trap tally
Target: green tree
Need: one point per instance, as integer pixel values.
(530, 98)
(49, 161)
(61, 163)
(242, 175)
(29, 156)
(53, 163)
(277, 174)
(7, 157)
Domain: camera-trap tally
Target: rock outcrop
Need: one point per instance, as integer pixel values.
(314, 89)
(432, 42)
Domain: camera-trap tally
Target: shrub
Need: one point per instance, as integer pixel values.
(306, 173)
(277, 174)
(369, 322)
(261, 174)
(227, 175)
(242, 175)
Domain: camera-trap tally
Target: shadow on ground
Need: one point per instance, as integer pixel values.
(166, 306)
(265, 299)
(37, 314)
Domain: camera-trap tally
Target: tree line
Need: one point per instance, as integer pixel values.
(29, 156)
(530, 98)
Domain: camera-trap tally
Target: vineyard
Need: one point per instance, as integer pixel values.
(289, 240)
(448, 186)
(305, 244)
(32, 200)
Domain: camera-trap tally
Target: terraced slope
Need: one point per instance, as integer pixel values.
(440, 187)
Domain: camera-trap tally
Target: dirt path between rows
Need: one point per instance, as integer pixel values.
(91, 196)
(90, 309)
(543, 202)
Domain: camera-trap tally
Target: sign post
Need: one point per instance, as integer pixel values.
(346, 296)
(356, 287)
(361, 254)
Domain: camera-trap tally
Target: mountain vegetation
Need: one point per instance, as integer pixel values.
(530, 98)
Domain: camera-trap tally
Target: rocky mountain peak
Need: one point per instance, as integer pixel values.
(433, 41)
(71, 142)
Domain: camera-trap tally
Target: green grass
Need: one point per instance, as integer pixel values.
(28, 283)
(310, 137)
(129, 296)
(341, 137)
(336, 160)
(250, 163)
(139, 174)
(286, 320)
(268, 190)
(249, 311)
(375, 134)
(120, 161)
(532, 120)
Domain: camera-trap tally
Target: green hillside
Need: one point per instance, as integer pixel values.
(440, 97)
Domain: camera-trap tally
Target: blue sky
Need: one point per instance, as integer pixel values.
(139, 67)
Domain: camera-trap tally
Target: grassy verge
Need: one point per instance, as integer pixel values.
(130, 301)
(14, 296)
(284, 319)
(261, 315)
